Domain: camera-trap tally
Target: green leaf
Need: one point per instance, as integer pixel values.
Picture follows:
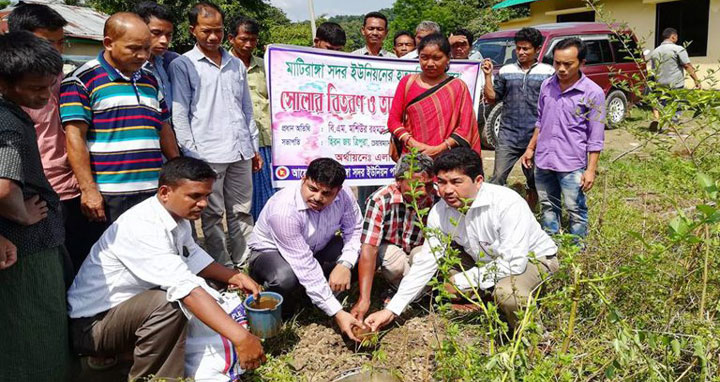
(675, 345)
(706, 182)
(610, 371)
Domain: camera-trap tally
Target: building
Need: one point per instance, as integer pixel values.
(697, 22)
(84, 32)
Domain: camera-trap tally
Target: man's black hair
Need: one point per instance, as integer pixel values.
(403, 33)
(669, 32)
(30, 17)
(248, 25)
(199, 7)
(23, 53)
(462, 159)
(331, 33)
(327, 172)
(466, 33)
(435, 39)
(179, 169)
(375, 15)
(570, 42)
(150, 9)
(531, 35)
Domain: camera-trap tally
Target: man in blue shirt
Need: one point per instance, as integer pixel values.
(213, 117)
(517, 86)
(159, 20)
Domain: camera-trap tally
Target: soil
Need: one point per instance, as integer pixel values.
(264, 303)
(322, 354)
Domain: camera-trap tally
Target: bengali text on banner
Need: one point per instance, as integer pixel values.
(336, 105)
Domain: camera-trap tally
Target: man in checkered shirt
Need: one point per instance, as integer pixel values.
(390, 236)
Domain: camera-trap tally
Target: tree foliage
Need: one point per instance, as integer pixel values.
(267, 15)
(474, 15)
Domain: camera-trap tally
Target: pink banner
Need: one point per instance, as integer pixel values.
(336, 105)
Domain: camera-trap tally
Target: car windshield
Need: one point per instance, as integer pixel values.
(500, 50)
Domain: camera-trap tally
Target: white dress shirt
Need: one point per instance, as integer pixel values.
(212, 109)
(414, 55)
(144, 249)
(499, 231)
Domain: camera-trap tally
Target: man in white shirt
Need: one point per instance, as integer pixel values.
(425, 28)
(497, 230)
(214, 121)
(126, 295)
(374, 30)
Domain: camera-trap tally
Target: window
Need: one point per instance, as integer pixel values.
(690, 18)
(576, 17)
(598, 52)
(624, 48)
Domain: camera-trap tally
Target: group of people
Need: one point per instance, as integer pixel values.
(104, 171)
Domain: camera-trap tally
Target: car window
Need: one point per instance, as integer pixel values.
(598, 50)
(500, 50)
(624, 49)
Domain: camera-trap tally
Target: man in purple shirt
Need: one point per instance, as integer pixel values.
(295, 245)
(568, 138)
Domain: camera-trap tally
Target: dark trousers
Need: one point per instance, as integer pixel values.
(116, 205)
(146, 324)
(80, 233)
(505, 159)
(273, 272)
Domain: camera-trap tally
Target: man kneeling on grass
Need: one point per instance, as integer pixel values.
(126, 295)
(497, 232)
(391, 234)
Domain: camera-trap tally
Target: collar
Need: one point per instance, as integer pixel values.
(667, 42)
(576, 86)
(299, 202)
(397, 197)
(482, 198)
(366, 52)
(166, 219)
(517, 63)
(302, 206)
(113, 73)
(197, 55)
(255, 61)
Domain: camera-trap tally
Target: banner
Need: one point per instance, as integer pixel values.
(332, 104)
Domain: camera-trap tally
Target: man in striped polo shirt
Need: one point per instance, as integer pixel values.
(116, 122)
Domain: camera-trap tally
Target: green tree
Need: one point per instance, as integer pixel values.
(267, 15)
(474, 15)
(4, 4)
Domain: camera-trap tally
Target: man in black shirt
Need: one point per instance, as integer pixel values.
(33, 310)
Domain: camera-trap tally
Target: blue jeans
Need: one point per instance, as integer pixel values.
(550, 186)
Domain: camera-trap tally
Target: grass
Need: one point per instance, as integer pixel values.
(638, 302)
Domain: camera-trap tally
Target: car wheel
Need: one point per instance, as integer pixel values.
(616, 108)
(491, 128)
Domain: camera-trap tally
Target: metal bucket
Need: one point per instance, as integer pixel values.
(265, 322)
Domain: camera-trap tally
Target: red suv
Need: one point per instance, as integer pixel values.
(607, 59)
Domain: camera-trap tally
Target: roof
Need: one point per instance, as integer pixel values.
(83, 22)
(555, 28)
(510, 3)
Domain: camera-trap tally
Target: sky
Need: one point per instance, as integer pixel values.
(297, 10)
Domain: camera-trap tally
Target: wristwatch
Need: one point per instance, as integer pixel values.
(345, 264)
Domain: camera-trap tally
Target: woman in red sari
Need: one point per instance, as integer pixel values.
(432, 111)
